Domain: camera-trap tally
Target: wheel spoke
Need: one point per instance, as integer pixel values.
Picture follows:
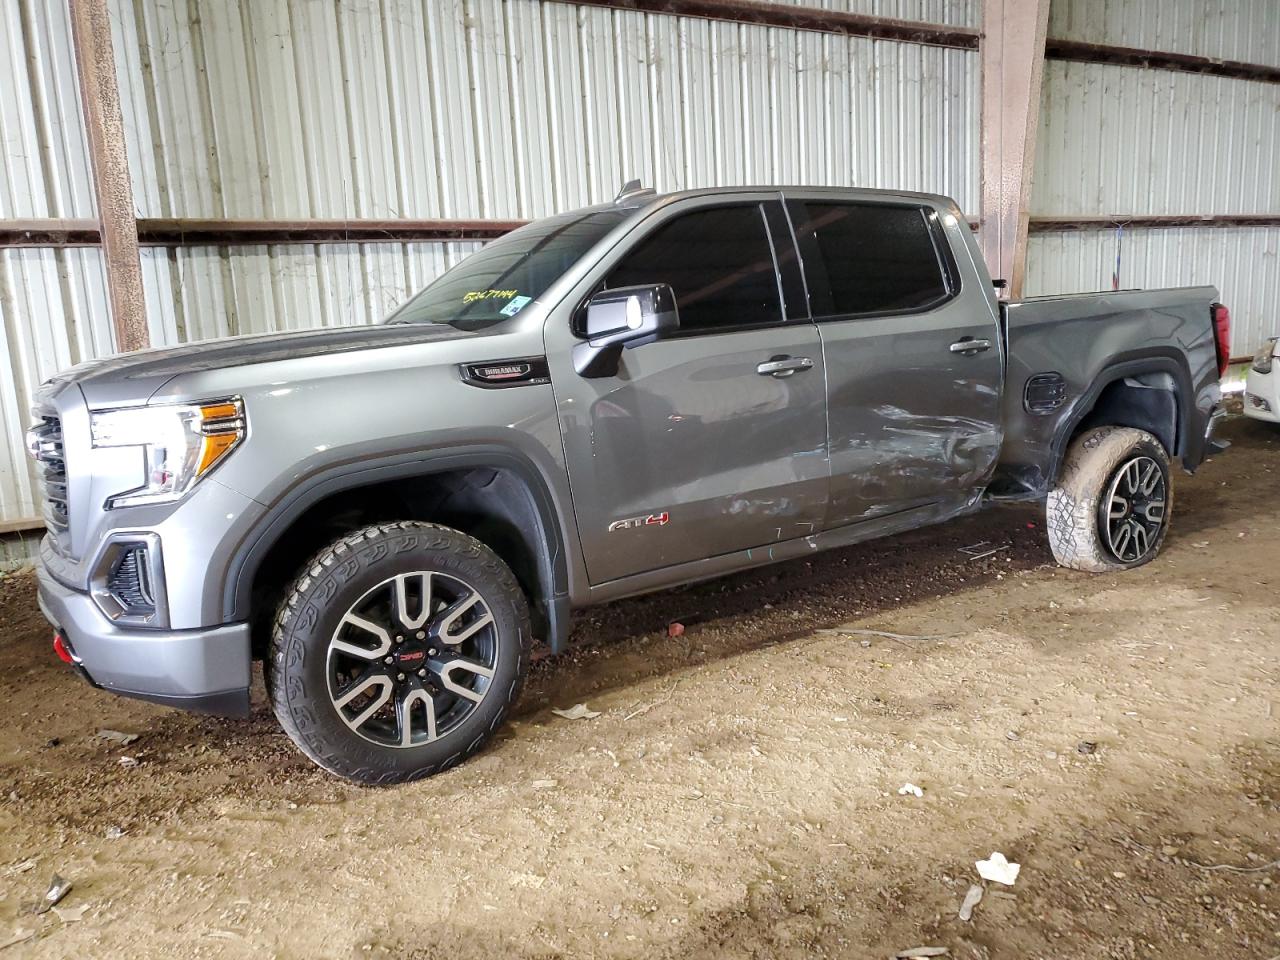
(1119, 507)
(358, 684)
(1140, 539)
(377, 704)
(1122, 538)
(402, 599)
(1131, 477)
(455, 612)
(355, 650)
(1150, 477)
(447, 668)
(404, 715)
(1154, 511)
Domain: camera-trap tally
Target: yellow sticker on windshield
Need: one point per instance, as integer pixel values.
(490, 294)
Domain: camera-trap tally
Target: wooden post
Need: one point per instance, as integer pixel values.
(104, 124)
(1012, 52)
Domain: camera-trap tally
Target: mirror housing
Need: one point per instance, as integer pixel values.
(623, 317)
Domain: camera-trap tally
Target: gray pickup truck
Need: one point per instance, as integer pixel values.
(606, 402)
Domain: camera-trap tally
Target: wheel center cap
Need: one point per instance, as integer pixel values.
(411, 657)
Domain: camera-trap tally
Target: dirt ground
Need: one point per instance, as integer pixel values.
(738, 795)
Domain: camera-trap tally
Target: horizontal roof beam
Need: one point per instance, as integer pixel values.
(1082, 52)
(794, 17)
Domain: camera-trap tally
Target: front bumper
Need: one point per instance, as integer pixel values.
(205, 670)
(1262, 395)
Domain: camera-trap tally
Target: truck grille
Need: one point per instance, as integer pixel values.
(46, 447)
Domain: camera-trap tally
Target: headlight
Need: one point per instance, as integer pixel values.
(180, 443)
(1262, 359)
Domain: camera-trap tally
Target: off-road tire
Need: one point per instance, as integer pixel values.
(297, 669)
(1074, 510)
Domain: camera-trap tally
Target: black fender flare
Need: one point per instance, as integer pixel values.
(1136, 363)
(553, 573)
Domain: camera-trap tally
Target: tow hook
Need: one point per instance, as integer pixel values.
(62, 647)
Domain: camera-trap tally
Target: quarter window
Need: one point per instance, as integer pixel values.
(878, 258)
(719, 262)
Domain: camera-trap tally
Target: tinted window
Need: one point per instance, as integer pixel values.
(719, 263)
(505, 276)
(877, 258)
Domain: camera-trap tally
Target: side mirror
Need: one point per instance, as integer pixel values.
(624, 317)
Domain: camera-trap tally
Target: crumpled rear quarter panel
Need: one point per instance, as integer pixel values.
(1090, 339)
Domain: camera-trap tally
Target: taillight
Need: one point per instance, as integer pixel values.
(1222, 335)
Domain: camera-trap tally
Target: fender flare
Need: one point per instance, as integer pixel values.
(1136, 363)
(553, 573)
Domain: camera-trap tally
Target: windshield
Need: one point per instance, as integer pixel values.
(502, 278)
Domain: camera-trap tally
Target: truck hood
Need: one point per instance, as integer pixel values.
(132, 378)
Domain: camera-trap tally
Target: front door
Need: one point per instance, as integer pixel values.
(913, 356)
(713, 441)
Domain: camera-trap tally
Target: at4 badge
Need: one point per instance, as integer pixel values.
(632, 523)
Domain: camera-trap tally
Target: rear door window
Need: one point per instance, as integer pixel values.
(719, 261)
(872, 258)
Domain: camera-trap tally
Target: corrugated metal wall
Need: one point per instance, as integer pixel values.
(425, 108)
(1122, 141)
(517, 109)
(1240, 261)
(1244, 30)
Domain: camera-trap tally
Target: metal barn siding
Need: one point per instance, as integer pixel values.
(1243, 30)
(199, 293)
(44, 155)
(1242, 262)
(1120, 140)
(491, 109)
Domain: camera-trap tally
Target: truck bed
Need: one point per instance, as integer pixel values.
(1064, 353)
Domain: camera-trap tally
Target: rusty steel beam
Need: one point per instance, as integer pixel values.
(104, 124)
(189, 233)
(1061, 224)
(1159, 60)
(1012, 56)
(169, 233)
(803, 18)
(49, 233)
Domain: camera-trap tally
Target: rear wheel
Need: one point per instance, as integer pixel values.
(398, 651)
(1110, 509)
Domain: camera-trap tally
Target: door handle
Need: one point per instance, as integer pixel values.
(969, 345)
(779, 367)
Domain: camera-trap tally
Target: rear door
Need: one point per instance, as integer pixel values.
(913, 356)
(713, 441)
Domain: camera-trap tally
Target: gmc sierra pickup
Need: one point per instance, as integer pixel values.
(615, 400)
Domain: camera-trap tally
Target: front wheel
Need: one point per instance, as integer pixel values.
(398, 651)
(1111, 506)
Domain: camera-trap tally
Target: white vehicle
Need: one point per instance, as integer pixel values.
(1262, 388)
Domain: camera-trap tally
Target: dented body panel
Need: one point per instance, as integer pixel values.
(1152, 340)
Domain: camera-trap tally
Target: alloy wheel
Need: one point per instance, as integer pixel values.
(1135, 509)
(412, 659)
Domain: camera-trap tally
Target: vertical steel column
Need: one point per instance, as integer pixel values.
(1012, 51)
(104, 123)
